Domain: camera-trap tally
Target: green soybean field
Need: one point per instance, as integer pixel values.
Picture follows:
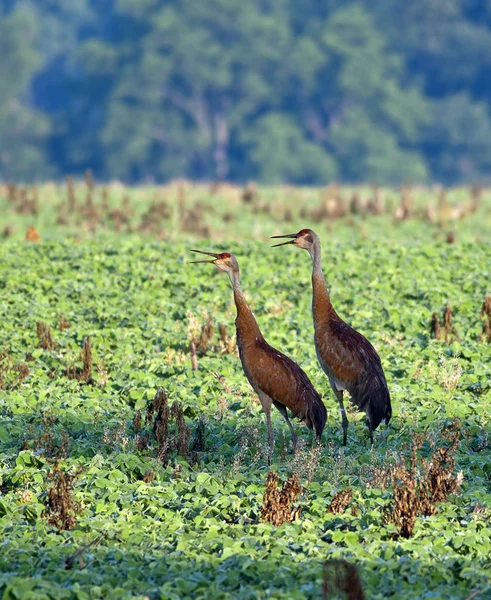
(133, 451)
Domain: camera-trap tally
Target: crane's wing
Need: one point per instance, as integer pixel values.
(346, 354)
(272, 372)
(353, 363)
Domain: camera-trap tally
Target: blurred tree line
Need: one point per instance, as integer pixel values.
(273, 90)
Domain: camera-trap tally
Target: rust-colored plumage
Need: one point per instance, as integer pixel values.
(274, 377)
(349, 360)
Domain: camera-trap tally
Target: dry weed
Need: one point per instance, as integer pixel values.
(84, 374)
(306, 461)
(7, 231)
(192, 327)
(45, 336)
(174, 357)
(206, 336)
(250, 193)
(341, 577)
(447, 322)
(227, 343)
(222, 408)
(278, 505)
(181, 441)
(64, 324)
(194, 357)
(102, 374)
(486, 318)
(377, 473)
(340, 501)
(142, 442)
(137, 421)
(420, 483)
(448, 373)
(161, 424)
(12, 376)
(61, 508)
(199, 437)
(116, 435)
(149, 476)
(32, 235)
(250, 440)
(436, 331)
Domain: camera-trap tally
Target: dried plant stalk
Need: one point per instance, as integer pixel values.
(87, 360)
(341, 576)
(486, 317)
(447, 322)
(340, 501)
(199, 437)
(183, 434)
(137, 421)
(277, 507)
(61, 508)
(45, 336)
(64, 324)
(418, 484)
(206, 335)
(436, 331)
(194, 357)
(161, 424)
(32, 234)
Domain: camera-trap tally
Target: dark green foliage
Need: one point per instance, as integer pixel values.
(23, 128)
(224, 89)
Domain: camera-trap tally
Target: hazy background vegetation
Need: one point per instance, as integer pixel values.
(273, 90)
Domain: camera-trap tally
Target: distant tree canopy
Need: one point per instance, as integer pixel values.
(273, 90)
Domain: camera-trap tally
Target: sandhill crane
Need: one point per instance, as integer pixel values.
(348, 359)
(275, 378)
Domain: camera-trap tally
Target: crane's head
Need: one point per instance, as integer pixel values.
(224, 261)
(305, 238)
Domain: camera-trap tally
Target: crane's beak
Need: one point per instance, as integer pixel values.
(204, 261)
(290, 235)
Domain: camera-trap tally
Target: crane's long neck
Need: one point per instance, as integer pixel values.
(247, 327)
(322, 308)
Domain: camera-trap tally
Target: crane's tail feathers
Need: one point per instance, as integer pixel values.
(388, 413)
(377, 404)
(315, 416)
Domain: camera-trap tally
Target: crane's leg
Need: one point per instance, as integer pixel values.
(344, 418)
(283, 411)
(266, 403)
(370, 434)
